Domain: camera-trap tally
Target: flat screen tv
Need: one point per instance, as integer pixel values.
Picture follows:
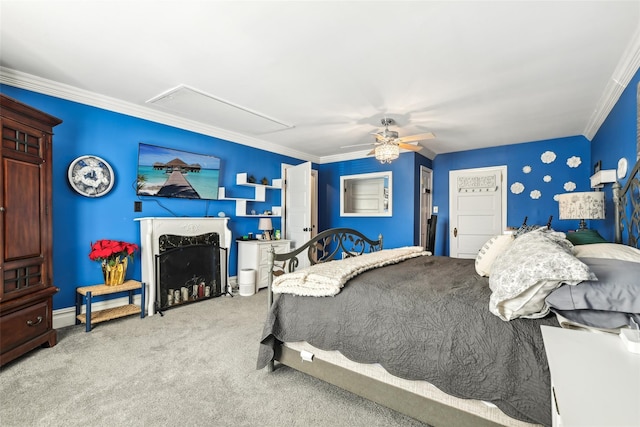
(166, 172)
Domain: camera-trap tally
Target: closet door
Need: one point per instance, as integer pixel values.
(478, 208)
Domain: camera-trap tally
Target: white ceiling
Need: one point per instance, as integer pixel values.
(321, 75)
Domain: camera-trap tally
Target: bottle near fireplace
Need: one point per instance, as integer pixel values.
(201, 290)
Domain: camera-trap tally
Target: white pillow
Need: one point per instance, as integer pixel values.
(490, 251)
(607, 250)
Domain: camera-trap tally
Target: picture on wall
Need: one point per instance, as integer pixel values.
(167, 172)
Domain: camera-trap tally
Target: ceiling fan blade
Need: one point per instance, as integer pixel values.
(418, 137)
(409, 147)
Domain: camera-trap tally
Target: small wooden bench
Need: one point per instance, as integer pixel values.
(110, 313)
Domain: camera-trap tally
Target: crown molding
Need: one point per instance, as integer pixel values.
(622, 75)
(37, 84)
(343, 157)
(363, 154)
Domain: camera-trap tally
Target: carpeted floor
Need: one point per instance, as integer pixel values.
(193, 367)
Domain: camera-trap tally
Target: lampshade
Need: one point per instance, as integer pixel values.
(265, 224)
(585, 205)
(387, 152)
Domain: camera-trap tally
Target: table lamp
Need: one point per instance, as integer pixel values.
(584, 205)
(266, 227)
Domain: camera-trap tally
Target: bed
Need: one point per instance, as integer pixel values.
(415, 334)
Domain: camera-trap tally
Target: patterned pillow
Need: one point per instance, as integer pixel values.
(490, 251)
(524, 229)
(533, 266)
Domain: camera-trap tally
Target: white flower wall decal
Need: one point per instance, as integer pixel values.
(548, 157)
(555, 197)
(547, 178)
(574, 161)
(517, 188)
(569, 186)
(526, 169)
(535, 194)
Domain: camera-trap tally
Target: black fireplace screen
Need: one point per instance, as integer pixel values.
(188, 269)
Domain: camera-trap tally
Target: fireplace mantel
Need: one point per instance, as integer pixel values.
(151, 228)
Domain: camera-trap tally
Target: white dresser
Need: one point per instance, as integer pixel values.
(595, 380)
(254, 254)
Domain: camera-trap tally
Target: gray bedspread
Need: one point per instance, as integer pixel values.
(426, 318)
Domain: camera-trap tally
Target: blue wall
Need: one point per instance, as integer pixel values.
(399, 229)
(87, 130)
(516, 157)
(78, 221)
(615, 139)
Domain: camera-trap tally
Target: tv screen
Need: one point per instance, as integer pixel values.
(165, 172)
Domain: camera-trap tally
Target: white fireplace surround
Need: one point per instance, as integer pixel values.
(151, 228)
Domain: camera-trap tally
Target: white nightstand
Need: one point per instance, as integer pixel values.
(254, 254)
(595, 380)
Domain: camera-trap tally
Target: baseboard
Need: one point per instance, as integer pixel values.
(67, 316)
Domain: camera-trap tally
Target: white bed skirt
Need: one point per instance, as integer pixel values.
(481, 409)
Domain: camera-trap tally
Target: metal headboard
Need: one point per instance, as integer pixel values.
(335, 243)
(627, 208)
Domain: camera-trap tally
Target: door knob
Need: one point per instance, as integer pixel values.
(455, 232)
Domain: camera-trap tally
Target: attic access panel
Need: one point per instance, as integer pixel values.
(200, 106)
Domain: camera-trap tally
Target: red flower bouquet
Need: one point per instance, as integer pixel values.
(111, 252)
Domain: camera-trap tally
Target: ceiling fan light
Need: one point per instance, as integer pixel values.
(386, 153)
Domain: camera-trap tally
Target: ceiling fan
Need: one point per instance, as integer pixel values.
(390, 137)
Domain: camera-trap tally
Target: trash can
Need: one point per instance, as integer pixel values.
(247, 282)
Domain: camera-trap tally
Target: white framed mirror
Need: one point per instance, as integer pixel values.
(367, 194)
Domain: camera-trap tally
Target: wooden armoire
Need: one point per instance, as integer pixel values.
(26, 229)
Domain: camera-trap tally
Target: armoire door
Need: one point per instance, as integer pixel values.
(26, 207)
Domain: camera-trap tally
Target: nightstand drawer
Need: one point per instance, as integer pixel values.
(279, 248)
(254, 254)
(23, 325)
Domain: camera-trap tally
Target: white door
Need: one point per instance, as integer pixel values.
(299, 196)
(425, 202)
(477, 206)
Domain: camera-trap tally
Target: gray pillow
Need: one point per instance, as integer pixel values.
(603, 303)
(599, 319)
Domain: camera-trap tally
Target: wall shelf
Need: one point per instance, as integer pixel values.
(241, 179)
(260, 192)
(602, 177)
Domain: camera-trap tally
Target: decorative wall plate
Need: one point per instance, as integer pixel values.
(622, 168)
(90, 176)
